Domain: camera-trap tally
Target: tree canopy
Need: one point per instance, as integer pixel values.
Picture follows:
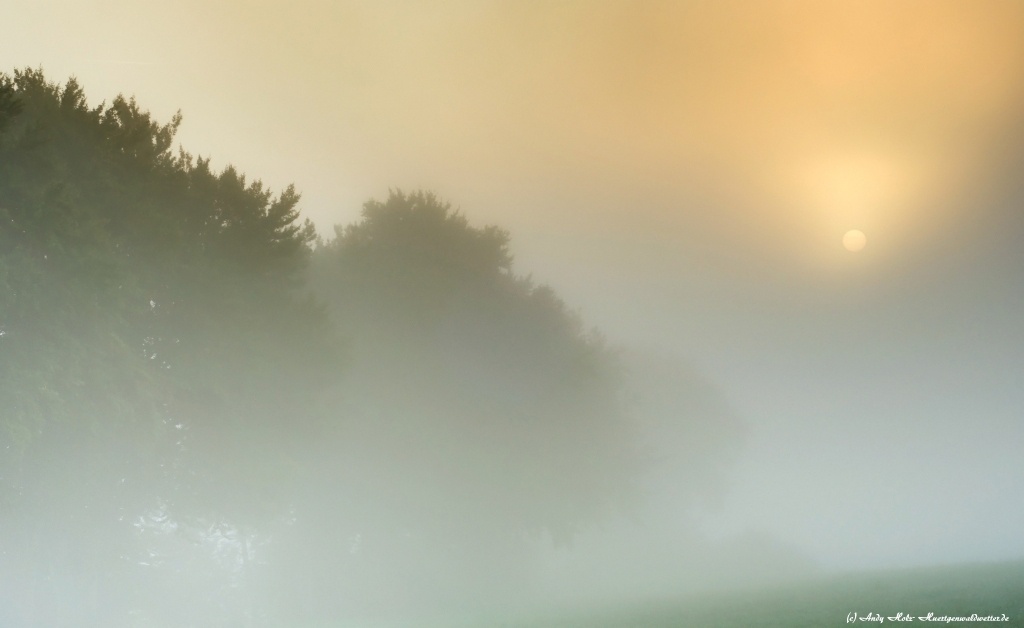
(456, 342)
(155, 330)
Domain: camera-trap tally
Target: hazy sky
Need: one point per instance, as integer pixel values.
(684, 173)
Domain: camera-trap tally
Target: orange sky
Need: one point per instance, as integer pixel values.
(776, 126)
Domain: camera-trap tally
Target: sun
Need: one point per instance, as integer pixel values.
(854, 240)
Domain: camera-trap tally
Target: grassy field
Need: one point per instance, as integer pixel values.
(963, 590)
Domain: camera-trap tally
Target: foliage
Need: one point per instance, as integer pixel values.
(443, 326)
(171, 372)
(155, 334)
(480, 410)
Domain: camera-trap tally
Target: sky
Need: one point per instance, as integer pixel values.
(684, 174)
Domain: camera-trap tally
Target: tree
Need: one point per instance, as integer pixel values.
(478, 410)
(155, 338)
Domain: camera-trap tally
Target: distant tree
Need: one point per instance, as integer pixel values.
(479, 410)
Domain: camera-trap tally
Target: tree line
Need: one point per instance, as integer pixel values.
(200, 399)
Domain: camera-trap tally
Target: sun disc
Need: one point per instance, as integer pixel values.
(854, 240)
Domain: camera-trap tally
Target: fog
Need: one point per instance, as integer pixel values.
(557, 316)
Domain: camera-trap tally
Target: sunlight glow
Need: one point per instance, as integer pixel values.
(854, 240)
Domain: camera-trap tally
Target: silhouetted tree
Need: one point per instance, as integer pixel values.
(154, 339)
(479, 410)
